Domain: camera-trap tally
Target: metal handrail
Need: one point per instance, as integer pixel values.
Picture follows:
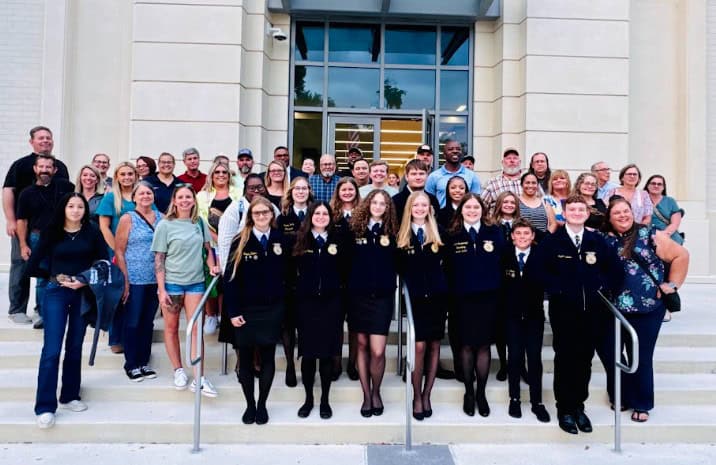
(409, 367)
(619, 322)
(398, 316)
(199, 359)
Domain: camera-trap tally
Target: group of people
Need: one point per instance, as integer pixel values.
(302, 253)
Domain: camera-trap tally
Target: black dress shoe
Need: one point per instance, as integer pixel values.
(483, 408)
(249, 415)
(366, 413)
(291, 378)
(583, 423)
(568, 424)
(377, 411)
(541, 413)
(443, 373)
(261, 415)
(418, 415)
(352, 372)
(305, 409)
(501, 374)
(515, 410)
(325, 410)
(428, 412)
(468, 405)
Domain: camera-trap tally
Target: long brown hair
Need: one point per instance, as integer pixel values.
(287, 199)
(337, 203)
(457, 221)
(304, 236)
(245, 234)
(630, 236)
(497, 213)
(267, 178)
(361, 216)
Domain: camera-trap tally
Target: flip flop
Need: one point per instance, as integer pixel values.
(639, 416)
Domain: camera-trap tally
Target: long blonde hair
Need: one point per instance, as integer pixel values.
(287, 199)
(98, 188)
(245, 234)
(432, 234)
(117, 189)
(172, 210)
(267, 178)
(209, 185)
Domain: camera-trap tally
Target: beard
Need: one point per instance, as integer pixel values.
(245, 170)
(327, 174)
(512, 171)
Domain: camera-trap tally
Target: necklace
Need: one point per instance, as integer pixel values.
(73, 234)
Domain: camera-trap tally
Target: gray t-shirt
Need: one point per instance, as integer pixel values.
(182, 242)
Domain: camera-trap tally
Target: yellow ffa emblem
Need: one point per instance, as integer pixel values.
(384, 240)
(488, 246)
(332, 249)
(434, 247)
(277, 249)
(591, 257)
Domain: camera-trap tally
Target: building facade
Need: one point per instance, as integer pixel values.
(615, 80)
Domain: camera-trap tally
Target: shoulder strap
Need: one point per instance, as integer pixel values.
(151, 226)
(645, 268)
(661, 216)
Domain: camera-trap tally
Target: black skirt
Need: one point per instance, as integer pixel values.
(429, 317)
(262, 328)
(319, 321)
(370, 314)
(476, 314)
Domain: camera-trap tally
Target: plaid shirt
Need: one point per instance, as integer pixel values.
(323, 190)
(497, 186)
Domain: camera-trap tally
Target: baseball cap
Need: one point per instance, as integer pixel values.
(245, 153)
(510, 151)
(425, 148)
(468, 157)
(355, 150)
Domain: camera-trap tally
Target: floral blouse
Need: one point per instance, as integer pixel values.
(639, 294)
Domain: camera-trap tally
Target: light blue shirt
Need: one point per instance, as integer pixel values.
(602, 191)
(438, 179)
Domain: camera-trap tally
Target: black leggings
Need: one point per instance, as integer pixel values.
(246, 372)
(308, 375)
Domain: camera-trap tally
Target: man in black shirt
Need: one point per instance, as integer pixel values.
(20, 176)
(35, 209)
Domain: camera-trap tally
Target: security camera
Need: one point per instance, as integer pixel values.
(277, 34)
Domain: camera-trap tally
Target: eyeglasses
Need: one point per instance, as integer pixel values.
(221, 172)
(654, 183)
(261, 213)
(631, 174)
(603, 169)
(256, 188)
(589, 184)
(300, 188)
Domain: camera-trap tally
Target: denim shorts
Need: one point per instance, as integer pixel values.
(181, 289)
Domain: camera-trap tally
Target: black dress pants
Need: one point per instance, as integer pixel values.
(524, 337)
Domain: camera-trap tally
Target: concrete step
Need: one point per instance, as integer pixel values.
(171, 422)
(666, 359)
(97, 385)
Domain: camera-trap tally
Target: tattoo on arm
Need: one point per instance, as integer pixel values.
(159, 259)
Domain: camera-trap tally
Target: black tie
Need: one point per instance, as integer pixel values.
(301, 215)
(508, 226)
(264, 242)
(376, 229)
(521, 261)
(577, 242)
(473, 234)
(421, 236)
(320, 241)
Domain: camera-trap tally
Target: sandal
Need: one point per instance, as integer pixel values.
(640, 416)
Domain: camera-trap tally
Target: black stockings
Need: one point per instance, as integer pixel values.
(246, 375)
(308, 374)
(475, 360)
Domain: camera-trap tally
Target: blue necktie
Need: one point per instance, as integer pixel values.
(264, 242)
(320, 241)
(376, 229)
(577, 242)
(301, 215)
(421, 236)
(521, 260)
(473, 234)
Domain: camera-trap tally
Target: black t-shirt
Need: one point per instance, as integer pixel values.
(71, 255)
(37, 204)
(21, 175)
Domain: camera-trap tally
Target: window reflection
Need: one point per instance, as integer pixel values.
(353, 43)
(452, 128)
(409, 89)
(353, 87)
(308, 86)
(455, 46)
(410, 45)
(307, 137)
(453, 90)
(309, 41)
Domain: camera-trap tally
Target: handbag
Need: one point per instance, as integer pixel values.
(663, 218)
(672, 301)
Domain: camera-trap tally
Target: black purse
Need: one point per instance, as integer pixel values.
(672, 301)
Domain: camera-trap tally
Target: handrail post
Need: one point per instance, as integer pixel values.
(617, 386)
(225, 359)
(409, 366)
(399, 317)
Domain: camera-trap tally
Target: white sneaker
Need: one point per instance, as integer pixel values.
(46, 420)
(207, 389)
(211, 324)
(75, 406)
(180, 379)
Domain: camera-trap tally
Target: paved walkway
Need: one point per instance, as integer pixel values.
(466, 454)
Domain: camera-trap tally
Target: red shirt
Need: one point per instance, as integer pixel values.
(196, 182)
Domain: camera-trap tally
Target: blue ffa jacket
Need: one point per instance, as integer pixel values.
(522, 294)
(288, 224)
(576, 276)
(261, 276)
(422, 268)
(401, 198)
(320, 271)
(474, 266)
(372, 264)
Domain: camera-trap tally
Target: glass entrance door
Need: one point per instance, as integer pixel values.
(346, 132)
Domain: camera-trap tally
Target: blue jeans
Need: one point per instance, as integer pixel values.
(61, 307)
(139, 314)
(40, 283)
